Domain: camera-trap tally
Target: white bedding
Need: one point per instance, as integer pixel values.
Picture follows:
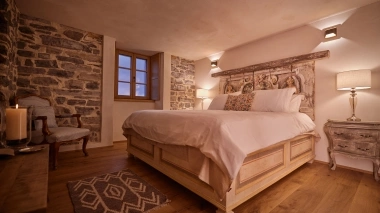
(226, 137)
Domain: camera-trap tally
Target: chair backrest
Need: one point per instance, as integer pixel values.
(41, 107)
(32, 100)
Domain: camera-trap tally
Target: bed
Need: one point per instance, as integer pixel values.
(275, 162)
(226, 157)
(234, 150)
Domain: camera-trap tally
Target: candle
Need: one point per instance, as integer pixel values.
(15, 123)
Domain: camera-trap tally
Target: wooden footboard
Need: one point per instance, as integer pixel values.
(259, 170)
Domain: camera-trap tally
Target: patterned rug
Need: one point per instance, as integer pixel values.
(114, 192)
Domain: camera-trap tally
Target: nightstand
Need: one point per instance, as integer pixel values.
(354, 139)
(24, 186)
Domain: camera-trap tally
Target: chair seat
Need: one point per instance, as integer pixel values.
(60, 134)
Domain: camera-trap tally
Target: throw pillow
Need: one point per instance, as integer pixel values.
(242, 102)
(231, 102)
(219, 101)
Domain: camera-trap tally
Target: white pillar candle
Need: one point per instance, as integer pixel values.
(15, 123)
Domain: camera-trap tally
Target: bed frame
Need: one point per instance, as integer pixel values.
(260, 169)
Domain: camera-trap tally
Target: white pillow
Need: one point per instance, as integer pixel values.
(295, 103)
(44, 111)
(275, 100)
(220, 100)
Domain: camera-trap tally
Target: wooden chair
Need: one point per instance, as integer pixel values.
(45, 129)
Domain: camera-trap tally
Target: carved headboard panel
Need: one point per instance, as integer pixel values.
(295, 72)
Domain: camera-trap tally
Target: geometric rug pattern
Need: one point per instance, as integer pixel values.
(115, 192)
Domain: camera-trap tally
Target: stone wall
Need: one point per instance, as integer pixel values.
(63, 64)
(182, 88)
(8, 37)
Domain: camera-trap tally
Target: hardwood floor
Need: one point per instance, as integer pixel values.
(311, 188)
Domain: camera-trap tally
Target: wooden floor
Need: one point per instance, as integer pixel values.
(311, 188)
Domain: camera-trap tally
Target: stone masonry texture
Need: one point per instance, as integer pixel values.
(182, 86)
(9, 16)
(51, 60)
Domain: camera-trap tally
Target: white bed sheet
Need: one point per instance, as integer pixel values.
(226, 137)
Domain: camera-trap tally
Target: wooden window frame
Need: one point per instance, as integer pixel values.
(133, 83)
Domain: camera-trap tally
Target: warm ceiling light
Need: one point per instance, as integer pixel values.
(331, 33)
(214, 63)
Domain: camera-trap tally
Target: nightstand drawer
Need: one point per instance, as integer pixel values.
(359, 148)
(361, 135)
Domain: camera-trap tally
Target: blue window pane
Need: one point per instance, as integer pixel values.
(141, 64)
(141, 90)
(124, 61)
(124, 75)
(124, 89)
(141, 77)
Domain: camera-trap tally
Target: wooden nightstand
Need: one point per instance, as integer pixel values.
(24, 182)
(354, 139)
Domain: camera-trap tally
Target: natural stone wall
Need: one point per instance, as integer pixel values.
(182, 92)
(63, 64)
(8, 37)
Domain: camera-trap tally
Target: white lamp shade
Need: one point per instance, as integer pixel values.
(355, 79)
(202, 93)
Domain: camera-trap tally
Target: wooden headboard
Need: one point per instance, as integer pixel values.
(295, 72)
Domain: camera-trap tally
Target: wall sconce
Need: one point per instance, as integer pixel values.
(353, 80)
(203, 94)
(331, 33)
(214, 64)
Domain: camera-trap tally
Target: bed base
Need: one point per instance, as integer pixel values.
(260, 169)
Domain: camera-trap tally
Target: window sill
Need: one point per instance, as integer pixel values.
(133, 100)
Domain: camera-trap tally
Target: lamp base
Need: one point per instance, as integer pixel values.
(353, 118)
(353, 102)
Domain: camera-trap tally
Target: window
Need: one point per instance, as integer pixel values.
(132, 76)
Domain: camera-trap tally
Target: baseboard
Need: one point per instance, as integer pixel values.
(123, 141)
(90, 145)
(346, 167)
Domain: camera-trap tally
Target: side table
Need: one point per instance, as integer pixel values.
(24, 181)
(354, 139)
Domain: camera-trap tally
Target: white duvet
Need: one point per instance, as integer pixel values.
(226, 137)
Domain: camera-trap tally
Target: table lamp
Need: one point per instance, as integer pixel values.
(353, 80)
(202, 93)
